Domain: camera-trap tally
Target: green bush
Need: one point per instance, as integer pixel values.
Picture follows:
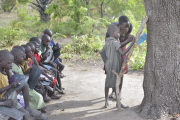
(84, 44)
(9, 35)
(8, 5)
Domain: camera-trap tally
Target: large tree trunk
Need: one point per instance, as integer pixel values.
(162, 68)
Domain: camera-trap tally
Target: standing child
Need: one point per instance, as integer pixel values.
(113, 54)
(125, 37)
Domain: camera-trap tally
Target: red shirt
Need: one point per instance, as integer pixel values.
(37, 57)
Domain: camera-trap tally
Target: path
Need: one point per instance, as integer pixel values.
(84, 99)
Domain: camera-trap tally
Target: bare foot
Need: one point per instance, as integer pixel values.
(33, 112)
(124, 106)
(55, 97)
(107, 104)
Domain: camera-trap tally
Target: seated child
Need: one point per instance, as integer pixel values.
(6, 61)
(54, 48)
(35, 99)
(113, 54)
(33, 61)
(55, 71)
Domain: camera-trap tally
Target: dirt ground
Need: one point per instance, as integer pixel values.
(84, 98)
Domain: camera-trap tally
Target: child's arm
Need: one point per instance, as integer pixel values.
(9, 73)
(125, 51)
(52, 59)
(43, 55)
(47, 76)
(28, 71)
(7, 103)
(12, 85)
(55, 48)
(127, 39)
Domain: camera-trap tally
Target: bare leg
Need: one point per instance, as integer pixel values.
(54, 96)
(26, 116)
(57, 77)
(25, 92)
(106, 97)
(60, 66)
(120, 88)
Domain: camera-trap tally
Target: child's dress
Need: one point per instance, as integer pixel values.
(113, 61)
(35, 99)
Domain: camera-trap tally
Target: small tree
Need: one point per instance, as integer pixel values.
(8, 5)
(41, 6)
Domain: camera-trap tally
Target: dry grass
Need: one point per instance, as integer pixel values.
(6, 17)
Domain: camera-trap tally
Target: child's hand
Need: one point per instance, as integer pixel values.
(51, 78)
(131, 38)
(56, 48)
(50, 62)
(14, 84)
(14, 72)
(47, 48)
(41, 79)
(28, 70)
(8, 103)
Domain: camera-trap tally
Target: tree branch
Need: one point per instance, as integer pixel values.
(38, 2)
(50, 1)
(37, 5)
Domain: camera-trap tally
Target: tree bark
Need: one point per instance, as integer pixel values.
(102, 9)
(162, 68)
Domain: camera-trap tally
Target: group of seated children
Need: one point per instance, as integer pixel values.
(39, 63)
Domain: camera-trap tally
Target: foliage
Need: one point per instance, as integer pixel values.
(138, 56)
(11, 34)
(41, 6)
(23, 1)
(68, 56)
(8, 5)
(84, 44)
(80, 19)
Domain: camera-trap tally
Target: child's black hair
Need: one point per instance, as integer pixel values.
(44, 37)
(48, 32)
(123, 19)
(3, 54)
(36, 39)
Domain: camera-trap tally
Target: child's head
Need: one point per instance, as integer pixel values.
(6, 60)
(37, 47)
(28, 51)
(36, 39)
(45, 40)
(18, 56)
(114, 31)
(124, 24)
(32, 47)
(22, 49)
(48, 32)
